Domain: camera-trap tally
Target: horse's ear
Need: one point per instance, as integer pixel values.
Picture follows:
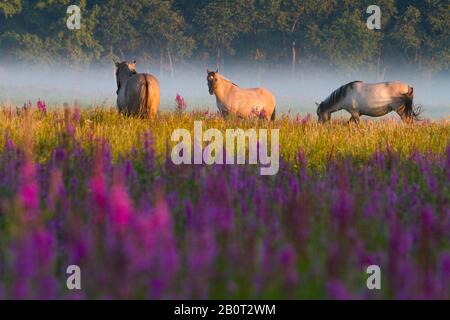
(217, 71)
(116, 63)
(133, 62)
(317, 104)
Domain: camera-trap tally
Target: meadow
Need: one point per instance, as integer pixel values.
(92, 188)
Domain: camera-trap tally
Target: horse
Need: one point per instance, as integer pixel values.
(370, 99)
(243, 103)
(138, 94)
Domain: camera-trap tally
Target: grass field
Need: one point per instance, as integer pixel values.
(318, 142)
(93, 188)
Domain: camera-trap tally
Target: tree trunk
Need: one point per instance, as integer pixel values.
(294, 57)
(218, 58)
(378, 65)
(161, 64)
(169, 55)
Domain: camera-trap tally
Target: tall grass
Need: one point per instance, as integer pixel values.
(318, 142)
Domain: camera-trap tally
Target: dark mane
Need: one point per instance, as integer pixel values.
(337, 95)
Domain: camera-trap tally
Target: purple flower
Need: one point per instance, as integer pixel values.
(289, 266)
(29, 188)
(427, 219)
(336, 290)
(121, 207)
(181, 104)
(42, 106)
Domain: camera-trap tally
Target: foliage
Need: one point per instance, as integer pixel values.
(326, 32)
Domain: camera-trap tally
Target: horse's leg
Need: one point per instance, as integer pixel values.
(354, 119)
(353, 111)
(355, 116)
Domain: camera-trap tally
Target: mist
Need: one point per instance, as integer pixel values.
(296, 91)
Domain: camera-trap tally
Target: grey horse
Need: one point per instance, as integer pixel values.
(370, 99)
(138, 94)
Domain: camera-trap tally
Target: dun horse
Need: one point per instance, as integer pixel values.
(137, 93)
(374, 100)
(240, 102)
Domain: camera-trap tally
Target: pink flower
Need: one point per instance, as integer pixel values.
(260, 113)
(29, 188)
(121, 206)
(98, 187)
(42, 106)
(181, 104)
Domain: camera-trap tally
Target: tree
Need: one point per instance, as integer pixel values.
(44, 36)
(146, 29)
(219, 23)
(10, 7)
(329, 33)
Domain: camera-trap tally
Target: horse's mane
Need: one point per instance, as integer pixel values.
(223, 78)
(337, 95)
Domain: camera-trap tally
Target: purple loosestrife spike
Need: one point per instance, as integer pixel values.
(337, 291)
(301, 158)
(41, 106)
(121, 207)
(447, 167)
(80, 249)
(428, 220)
(188, 212)
(44, 243)
(149, 154)
(400, 242)
(99, 192)
(166, 259)
(306, 119)
(288, 265)
(56, 188)
(29, 189)
(444, 265)
(24, 268)
(372, 206)
(343, 208)
(201, 257)
(76, 116)
(181, 104)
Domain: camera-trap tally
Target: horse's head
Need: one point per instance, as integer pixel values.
(212, 79)
(124, 70)
(321, 114)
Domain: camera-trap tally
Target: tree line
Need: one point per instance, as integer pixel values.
(331, 33)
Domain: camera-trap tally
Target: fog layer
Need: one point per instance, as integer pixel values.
(296, 92)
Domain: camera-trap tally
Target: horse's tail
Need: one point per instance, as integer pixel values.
(145, 103)
(411, 111)
(272, 117)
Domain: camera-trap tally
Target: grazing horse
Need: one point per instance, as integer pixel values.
(137, 93)
(374, 100)
(243, 103)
